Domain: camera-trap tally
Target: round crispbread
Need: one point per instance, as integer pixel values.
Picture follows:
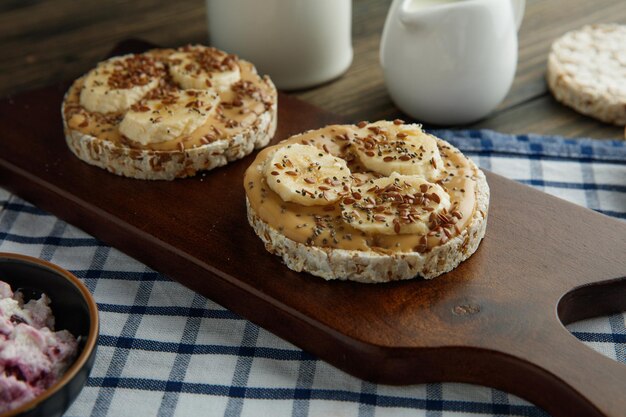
(587, 71)
(375, 265)
(131, 159)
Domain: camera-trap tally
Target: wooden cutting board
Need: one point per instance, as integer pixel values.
(496, 320)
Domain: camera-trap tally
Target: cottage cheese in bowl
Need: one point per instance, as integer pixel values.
(33, 356)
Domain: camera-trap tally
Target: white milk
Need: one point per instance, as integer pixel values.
(299, 43)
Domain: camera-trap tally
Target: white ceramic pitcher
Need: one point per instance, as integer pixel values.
(450, 61)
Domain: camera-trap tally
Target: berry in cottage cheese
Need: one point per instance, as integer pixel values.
(32, 355)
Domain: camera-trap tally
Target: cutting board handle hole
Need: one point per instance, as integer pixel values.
(593, 300)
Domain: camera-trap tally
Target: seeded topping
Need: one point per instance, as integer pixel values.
(209, 60)
(306, 175)
(391, 148)
(245, 89)
(146, 84)
(394, 205)
(136, 70)
(204, 68)
(177, 115)
(374, 211)
(115, 85)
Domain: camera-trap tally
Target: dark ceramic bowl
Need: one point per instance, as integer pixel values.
(74, 310)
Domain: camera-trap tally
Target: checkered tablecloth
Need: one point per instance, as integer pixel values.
(165, 350)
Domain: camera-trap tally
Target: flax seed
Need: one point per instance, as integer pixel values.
(421, 248)
(348, 201)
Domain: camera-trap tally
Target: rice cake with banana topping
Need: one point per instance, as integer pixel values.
(169, 113)
(373, 202)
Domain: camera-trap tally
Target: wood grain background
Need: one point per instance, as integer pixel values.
(43, 42)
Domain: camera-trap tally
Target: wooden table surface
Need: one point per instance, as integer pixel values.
(44, 42)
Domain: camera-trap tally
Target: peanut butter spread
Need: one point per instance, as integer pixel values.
(238, 102)
(377, 210)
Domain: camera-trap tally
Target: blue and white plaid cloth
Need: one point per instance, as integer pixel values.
(165, 350)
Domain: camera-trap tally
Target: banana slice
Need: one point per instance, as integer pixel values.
(116, 84)
(179, 113)
(308, 176)
(398, 204)
(202, 68)
(406, 150)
